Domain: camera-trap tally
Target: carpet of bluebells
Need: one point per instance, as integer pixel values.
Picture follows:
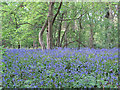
(60, 68)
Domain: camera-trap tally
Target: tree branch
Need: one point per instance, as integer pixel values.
(25, 23)
(68, 43)
(73, 42)
(57, 13)
(81, 43)
(73, 18)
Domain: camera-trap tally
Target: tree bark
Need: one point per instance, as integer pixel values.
(49, 33)
(109, 27)
(41, 35)
(64, 34)
(66, 31)
(119, 28)
(80, 25)
(91, 36)
(34, 44)
(45, 25)
(91, 39)
(59, 31)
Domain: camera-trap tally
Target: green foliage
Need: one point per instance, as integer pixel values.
(22, 24)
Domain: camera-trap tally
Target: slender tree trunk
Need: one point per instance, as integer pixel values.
(79, 43)
(59, 31)
(49, 33)
(16, 29)
(64, 34)
(66, 39)
(91, 36)
(80, 25)
(1, 33)
(54, 38)
(119, 29)
(109, 27)
(34, 44)
(18, 45)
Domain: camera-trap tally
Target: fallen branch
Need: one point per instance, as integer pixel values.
(73, 42)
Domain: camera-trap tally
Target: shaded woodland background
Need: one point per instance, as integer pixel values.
(47, 25)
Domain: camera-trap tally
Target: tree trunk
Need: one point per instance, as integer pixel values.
(91, 36)
(45, 25)
(109, 27)
(80, 24)
(41, 35)
(66, 38)
(64, 34)
(16, 23)
(119, 27)
(33, 44)
(49, 33)
(59, 31)
(18, 45)
(54, 37)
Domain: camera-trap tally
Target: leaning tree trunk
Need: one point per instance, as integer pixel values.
(41, 35)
